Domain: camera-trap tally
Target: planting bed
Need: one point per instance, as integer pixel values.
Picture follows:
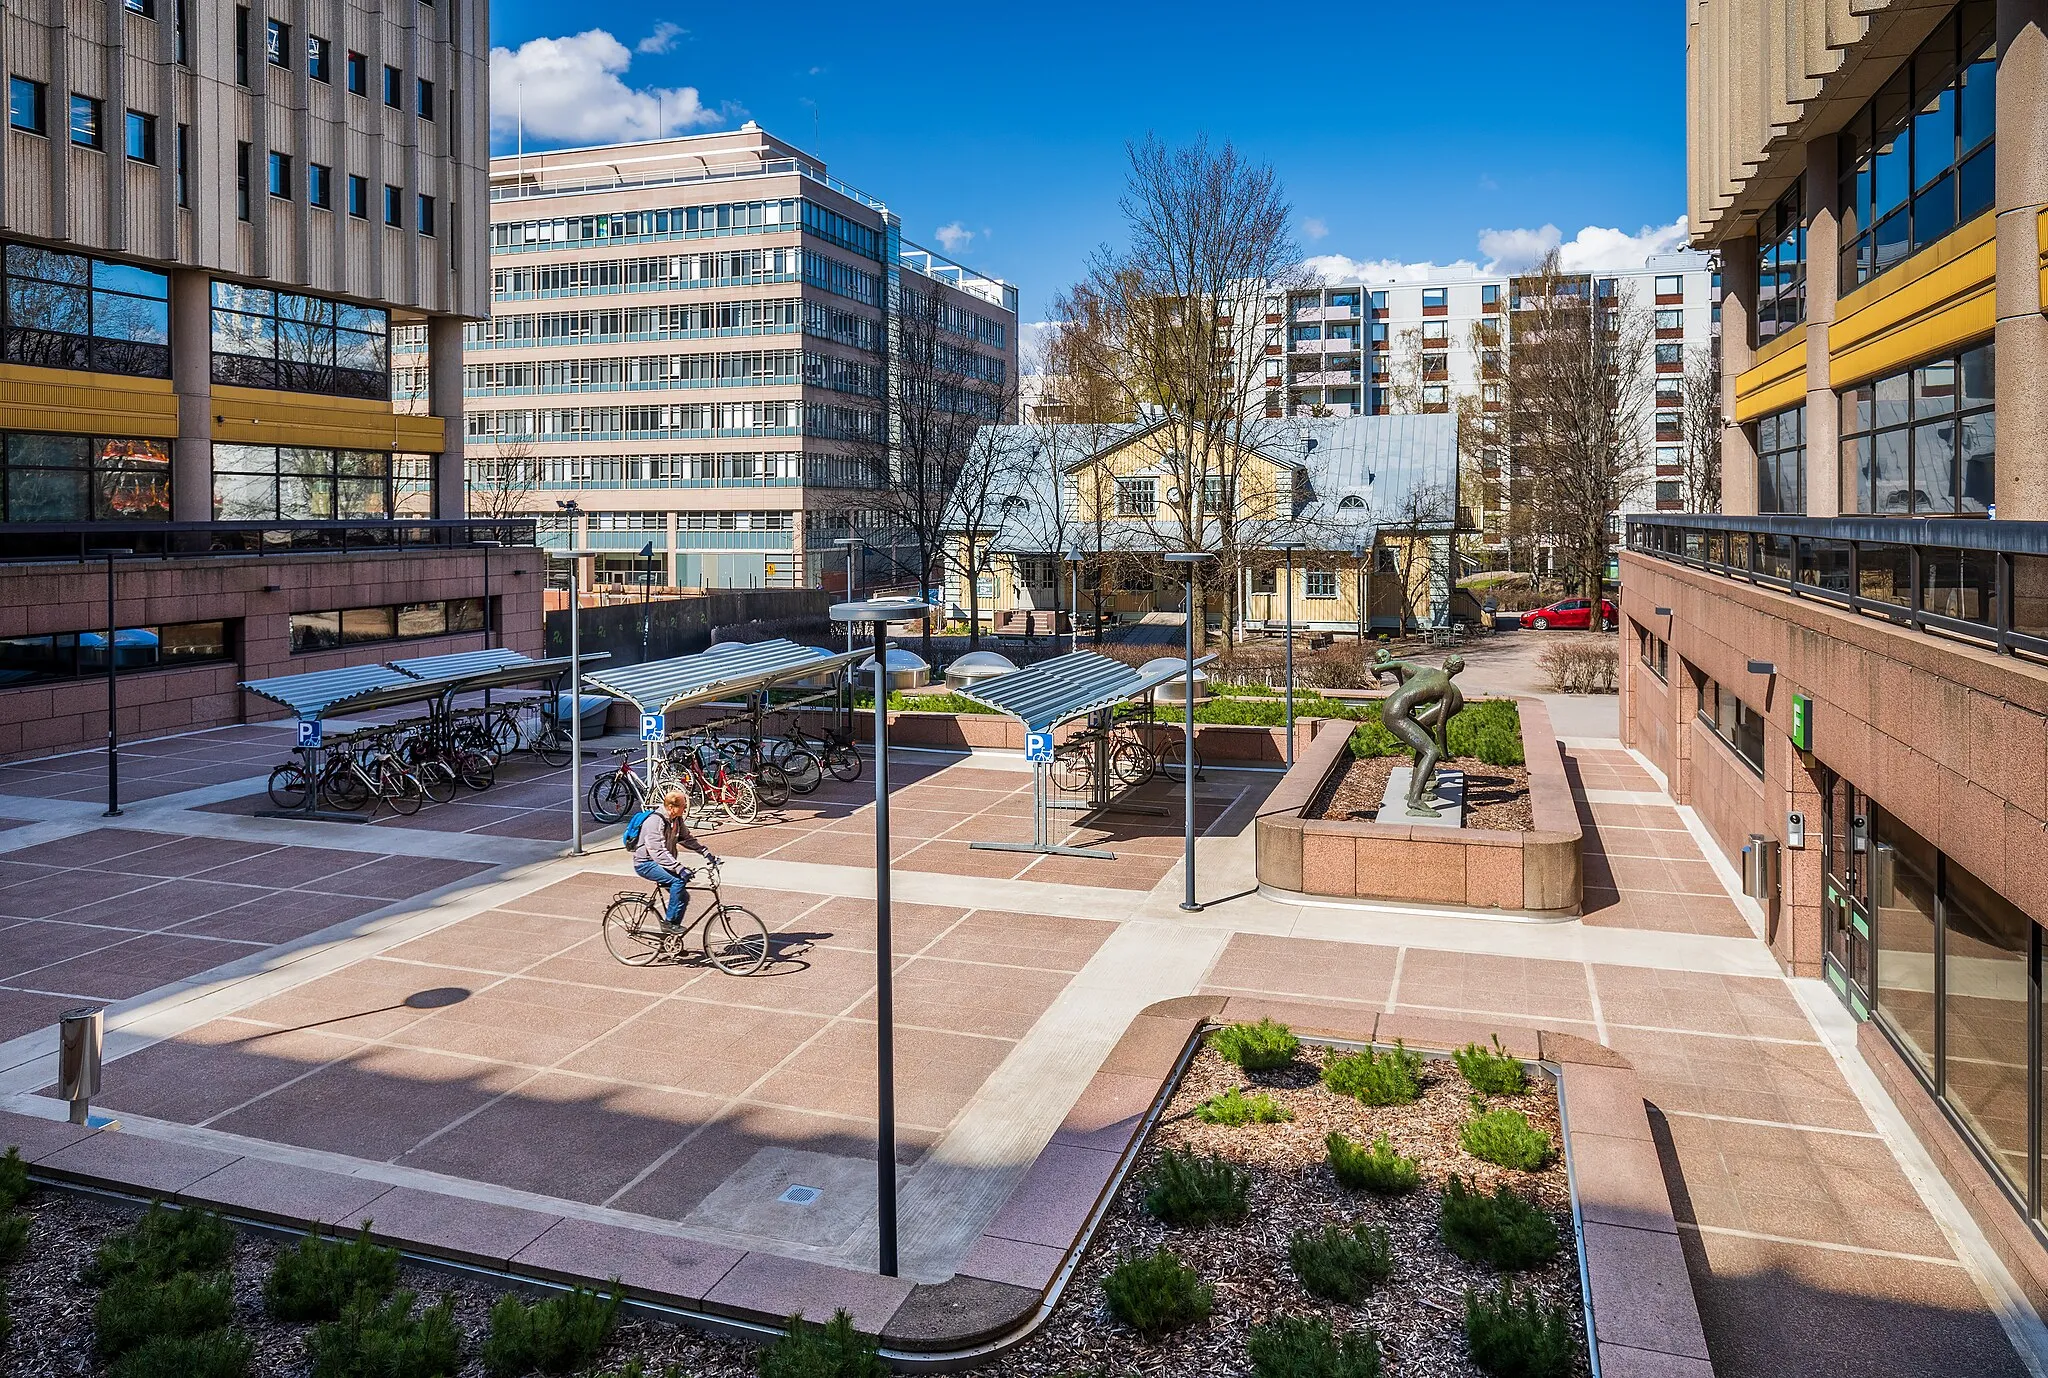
(1496, 797)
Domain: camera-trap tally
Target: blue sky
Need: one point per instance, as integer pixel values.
(1402, 132)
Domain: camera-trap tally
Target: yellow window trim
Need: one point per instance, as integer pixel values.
(261, 416)
(1939, 298)
(75, 403)
(2041, 235)
(1777, 381)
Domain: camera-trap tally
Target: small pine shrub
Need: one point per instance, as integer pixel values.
(1156, 1293)
(386, 1340)
(832, 1350)
(561, 1334)
(1507, 1138)
(315, 1280)
(165, 1242)
(1339, 1264)
(136, 1308)
(1190, 1191)
(1234, 1108)
(215, 1354)
(1505, 1229)
(1297, 1347)
(13, 1180)
(1491, 1072)
(13, 1237)
(1256, 1047)
(1375, 1078)
(1514, 1336)
(1379, 1169)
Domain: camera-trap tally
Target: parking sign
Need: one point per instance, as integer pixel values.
(1038, 747)
(652, 729)
(309, 733)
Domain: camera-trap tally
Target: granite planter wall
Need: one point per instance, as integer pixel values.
(1538, 872)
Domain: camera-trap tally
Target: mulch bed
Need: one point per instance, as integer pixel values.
(1419, 1312)
(1496, 797)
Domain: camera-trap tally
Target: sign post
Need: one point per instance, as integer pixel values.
(1038, 748)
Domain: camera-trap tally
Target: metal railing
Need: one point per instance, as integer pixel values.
(1974, 580)
(38, 542)
(510, 184)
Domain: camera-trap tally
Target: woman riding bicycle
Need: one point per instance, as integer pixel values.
(654, 855)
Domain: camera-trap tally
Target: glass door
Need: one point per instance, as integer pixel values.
(1845, 892)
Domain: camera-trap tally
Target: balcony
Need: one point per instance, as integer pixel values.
(1328, 378)
(1973, 580)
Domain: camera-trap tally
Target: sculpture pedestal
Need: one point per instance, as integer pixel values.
(1448, 800)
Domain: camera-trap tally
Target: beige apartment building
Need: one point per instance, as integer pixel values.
(697, 341)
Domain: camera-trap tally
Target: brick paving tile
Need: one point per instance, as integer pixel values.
(139, 964)
(1127, 872)
(1002, 1002)
(289, 866)
(50, 896)
(590, 963)
(279, 916)
(1353, 972)
(23, 1012)
(959, 859)
(34, 944)
(1507, 985)
(1786, 1083)
(187, 856)
(697, 1045)
(498, 941)
(396, 878)
(1701, 1001)
(166, 904)
(209, 1070)
(849, 924)
(936, 1073)
(97, 849)
(1047, 942)
(394, 1098)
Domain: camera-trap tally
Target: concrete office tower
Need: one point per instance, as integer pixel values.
(691, 338)
(214, 220)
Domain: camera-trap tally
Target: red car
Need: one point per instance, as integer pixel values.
(1568, 613)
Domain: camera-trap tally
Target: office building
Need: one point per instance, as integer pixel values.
(214, 220)
(1846, 673)
(697, 341)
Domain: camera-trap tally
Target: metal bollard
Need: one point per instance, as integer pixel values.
(79, 1036)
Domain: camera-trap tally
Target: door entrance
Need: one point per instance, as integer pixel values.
(1845, 891)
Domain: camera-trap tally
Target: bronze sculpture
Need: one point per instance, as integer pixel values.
(1420, 713)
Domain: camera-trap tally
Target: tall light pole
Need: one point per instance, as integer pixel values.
(851, 543)
(1073, 599)
(878, 613)
(646, 586)
(576, 558)
(112, 553)
(1290, 547)
(1187, 560)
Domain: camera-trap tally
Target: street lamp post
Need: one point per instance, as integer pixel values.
(851, 543)
(576, 558)
(878, 613)
(1290, 547)
(1073, 599)
(112, 553)
(646, 587)
(1187, 560)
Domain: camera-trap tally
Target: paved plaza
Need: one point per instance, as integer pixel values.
(428, 1004)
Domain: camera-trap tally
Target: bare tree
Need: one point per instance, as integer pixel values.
(1579, 395)
(1700, 392)
(976, 511)
(503, 483)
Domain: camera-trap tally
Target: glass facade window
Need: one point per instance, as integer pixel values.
(394, 207)
(267, 339)
(1781, 461)
(319, 189)
(1903, 871)
(293, 483)
(1781, 266)
(1319, 583)
(85, 122)
(25, 105)
(1654, 651)
(1137, 497)
(28, 660)
(1733, 721)
(319, 56)
(1923, 442)
(277, 44)
(325, 631)
(76, 478)
(358, 196)
(1986, 957)
(141, 137)
(358, 73)
(69, 311)
(1916, 162)
(281, 175)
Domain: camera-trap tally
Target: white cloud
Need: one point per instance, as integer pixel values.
(662, 39)
(1314, 228)
(954, 237)
(1032, 338)
(1594, 248)
(574, 90)
(1335, 268)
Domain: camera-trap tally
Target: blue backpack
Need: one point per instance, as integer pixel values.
(631, 837)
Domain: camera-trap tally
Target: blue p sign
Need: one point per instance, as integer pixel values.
(309, 732)
(1038, 747)
(652, 729)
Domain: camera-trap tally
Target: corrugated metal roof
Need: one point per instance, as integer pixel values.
(458, 663)
(1066, 687)
(659, 685)
(313, 695)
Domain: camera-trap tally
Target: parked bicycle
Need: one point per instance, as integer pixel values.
(729, 936)
(833, 748)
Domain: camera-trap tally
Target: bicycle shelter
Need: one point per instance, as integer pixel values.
(1053, 693)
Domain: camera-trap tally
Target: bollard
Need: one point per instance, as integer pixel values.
(79, 1034)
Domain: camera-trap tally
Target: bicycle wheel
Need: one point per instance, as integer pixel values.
(1133, 762)
(478, 738)
(771, 785)
(474, 769)
(1072, 769)
(632, 930)
(345, 788)
(398, 789)
(738, 799)
(437, 778)
(1170, 761)
(288, 786)
(802, 769)
(735, 941)
(613, 796)
(552, 746)
(844, 763)
(505, 731)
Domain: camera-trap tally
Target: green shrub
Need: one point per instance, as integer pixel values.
(315, 1280)
(1256, 1047)
(386, 1340)
(136, 1308)
(1505, 1137)
(1378, 1169)
(215, 1354)
(1375, 1078)
(165, 1242)
(1235, 1108)
(1490, 731)
(1514, 1336)
(13, 1180)
(1298, 1347)
(561, 1334)
(1339, 1264)
(833, 1350)
(1491, 1072)
(1190, 1190)
(1505, 1229)
(1156, 1293)
(13, 1237)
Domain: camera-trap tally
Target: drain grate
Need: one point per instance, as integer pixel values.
(800, 1196)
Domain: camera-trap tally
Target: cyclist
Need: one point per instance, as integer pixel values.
(654, 854)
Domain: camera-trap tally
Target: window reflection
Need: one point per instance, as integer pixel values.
(72, 312)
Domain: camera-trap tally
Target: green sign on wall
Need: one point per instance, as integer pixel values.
(1802, 722)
